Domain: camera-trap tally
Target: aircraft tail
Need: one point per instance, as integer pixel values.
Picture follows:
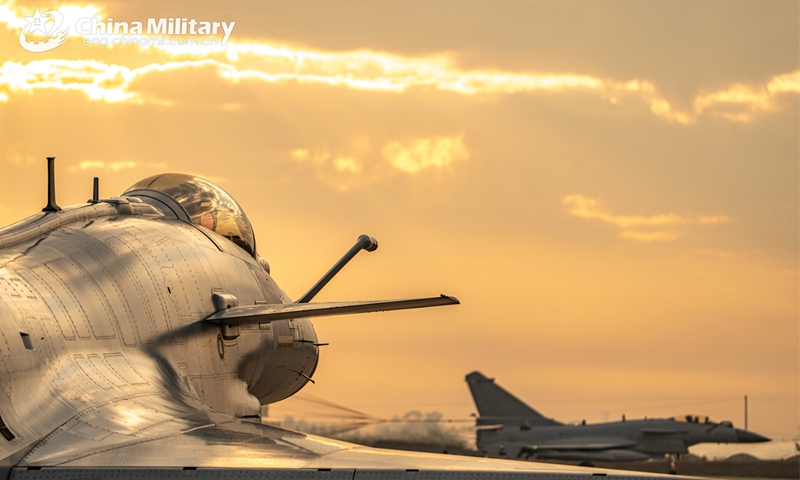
(494, 401)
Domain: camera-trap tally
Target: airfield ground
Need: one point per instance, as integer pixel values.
(740, 466)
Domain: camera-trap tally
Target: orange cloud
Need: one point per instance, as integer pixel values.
(342, 172)
(589, 208)
(356, 165)
(100, 165)
(361, 70)
(649, 236)
(323, 157)
(113, 83)
(347, 164)
(424, 153)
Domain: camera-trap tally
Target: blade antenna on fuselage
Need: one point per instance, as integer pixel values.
(51, 206)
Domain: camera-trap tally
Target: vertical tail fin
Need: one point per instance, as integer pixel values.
(494, 401)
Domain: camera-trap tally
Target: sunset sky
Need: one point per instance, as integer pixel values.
(609, 187)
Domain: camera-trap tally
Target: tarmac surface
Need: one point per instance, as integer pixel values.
(733, 468)
(750, 468)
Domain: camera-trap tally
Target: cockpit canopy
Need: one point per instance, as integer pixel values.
(202, 203)
(694, 419)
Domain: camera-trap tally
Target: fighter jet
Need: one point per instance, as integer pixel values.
(141, 334)
(508, 427)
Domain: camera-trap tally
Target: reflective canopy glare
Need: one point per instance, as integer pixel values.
(206, 204)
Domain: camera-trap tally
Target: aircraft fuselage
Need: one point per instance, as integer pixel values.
(105, 300)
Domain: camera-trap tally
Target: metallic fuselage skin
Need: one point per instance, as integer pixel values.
(112, 298)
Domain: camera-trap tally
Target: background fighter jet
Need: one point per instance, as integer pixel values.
(142, 334)
(510, 428)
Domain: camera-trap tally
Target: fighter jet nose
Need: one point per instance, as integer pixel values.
(743, 436)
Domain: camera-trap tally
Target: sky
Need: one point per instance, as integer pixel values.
(609, 187)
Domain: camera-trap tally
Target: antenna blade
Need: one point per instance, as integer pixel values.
(51, 186)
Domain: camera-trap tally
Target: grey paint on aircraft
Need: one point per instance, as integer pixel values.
(508, 427)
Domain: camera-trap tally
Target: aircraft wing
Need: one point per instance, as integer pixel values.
(587, 444)
(282, 311)
(168, 436)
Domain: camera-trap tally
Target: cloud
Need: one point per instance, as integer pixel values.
(589, 208)
(649, 236)
(356, 165)
(115, 83)
(714, 253)
(323, 157)
(364, 70)
(303, 155)
(113, 166)
(584, 207)
(740, 102)
(347, 164)
(424, 153)
(342, 172)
